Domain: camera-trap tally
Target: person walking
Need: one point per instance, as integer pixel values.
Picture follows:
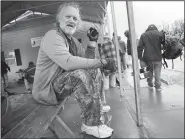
(149, 52)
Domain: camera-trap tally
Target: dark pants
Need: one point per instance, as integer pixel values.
(86, 88)
(123, 61)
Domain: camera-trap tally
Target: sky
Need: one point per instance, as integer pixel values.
(145, 13)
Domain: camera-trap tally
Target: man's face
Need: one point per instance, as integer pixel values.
(69, 18)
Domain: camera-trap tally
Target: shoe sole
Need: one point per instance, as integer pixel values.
(95, 136)
(88, 136)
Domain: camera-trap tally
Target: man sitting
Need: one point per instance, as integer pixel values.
(64, 68)
(28, 75)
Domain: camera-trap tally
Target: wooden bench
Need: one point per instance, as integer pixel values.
(39, 120)
(32, 121)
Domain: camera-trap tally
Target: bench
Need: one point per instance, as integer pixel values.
(39, 120)
(32, 121)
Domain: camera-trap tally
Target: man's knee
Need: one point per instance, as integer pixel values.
(71, 78)
(83, 75)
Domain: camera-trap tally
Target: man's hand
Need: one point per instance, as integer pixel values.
(93, 34)
(142, 64)
(109, 64)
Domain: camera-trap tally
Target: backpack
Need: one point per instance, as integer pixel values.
(172, 49)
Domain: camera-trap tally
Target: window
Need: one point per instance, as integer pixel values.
(10, 58)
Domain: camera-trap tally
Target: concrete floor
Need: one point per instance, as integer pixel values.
(162, 113)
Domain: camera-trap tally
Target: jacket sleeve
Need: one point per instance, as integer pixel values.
(55, 48)
(7, 67)
(140, 47)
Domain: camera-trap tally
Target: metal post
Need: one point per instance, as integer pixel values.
(102, 90)
(134, 60)
(117, 48)
(107, 19)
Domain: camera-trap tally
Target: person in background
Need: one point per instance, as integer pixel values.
(149, 52)
(28, 75)
(64, 68)
(127, 35)
(122, 52)
(4, 73)
(108, 50)
(137, 42)
(4, 79)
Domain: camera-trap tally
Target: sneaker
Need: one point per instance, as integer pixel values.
(101, 131)
(150, 86)
(158, 89)
(105, 109)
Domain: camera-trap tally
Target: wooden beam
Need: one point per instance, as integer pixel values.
(61, 129)
(134, 60)
(102, 7)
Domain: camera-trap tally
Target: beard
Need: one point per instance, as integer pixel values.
(68, 30)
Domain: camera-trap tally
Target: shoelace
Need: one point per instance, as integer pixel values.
(104, 127)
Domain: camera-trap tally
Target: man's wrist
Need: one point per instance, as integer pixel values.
(103, 62)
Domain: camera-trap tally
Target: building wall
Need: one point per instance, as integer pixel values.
(19, 37)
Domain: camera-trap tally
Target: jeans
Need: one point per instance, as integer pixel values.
(154, 70)
(86, 88)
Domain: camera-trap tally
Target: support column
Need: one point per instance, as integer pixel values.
(134, 60)
(107, 20)
(117, 48)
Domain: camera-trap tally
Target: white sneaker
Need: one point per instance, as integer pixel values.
(101, 131)
(158, 89)
(150, 87)
(105, 108)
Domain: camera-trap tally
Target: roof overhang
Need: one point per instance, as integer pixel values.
(91, 11)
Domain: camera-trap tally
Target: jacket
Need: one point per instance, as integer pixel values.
(149, 48)
(54, 58)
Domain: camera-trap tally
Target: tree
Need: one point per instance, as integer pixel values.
(177, 28)
(165, 27)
